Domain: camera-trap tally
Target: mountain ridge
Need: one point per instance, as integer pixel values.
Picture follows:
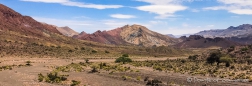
(128, 35)
(197, 41)
(241, 34)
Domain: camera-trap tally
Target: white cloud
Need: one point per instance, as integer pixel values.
(77, 4)
(242, 7)
(164, 8)
(242, 11)
(122, 16)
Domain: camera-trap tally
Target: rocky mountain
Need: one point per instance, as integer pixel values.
(134, 34)
(67, 31)
(170, 35)
(22, 36)
(239, 31)
(241, 34)
(196, 41)
(13, 21)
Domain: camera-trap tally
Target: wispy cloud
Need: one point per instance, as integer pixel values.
(77, 4)
(242, 7)
(122, 16)
(164, 8)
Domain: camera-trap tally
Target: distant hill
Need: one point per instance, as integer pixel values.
(170, 35)
(241, 34)
(13, 21)
(22, 36)
(196, 41)
(67, 31)
(134, 34)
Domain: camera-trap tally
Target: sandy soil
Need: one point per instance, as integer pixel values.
(27, 76)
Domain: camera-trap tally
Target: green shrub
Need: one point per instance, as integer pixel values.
(52, 77)
(226, 60)
(138, 78)
(28, 63)
(94, 69)
(94, 51)
(214, 57)
(74, 83)
(107, 51)
(244, 49)
(86, 60)
(40, 77)
(194, 57)
(154, 82)
(125, 55)
(123, 59)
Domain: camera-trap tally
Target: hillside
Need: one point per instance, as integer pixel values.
(67, 31)
(22, 36)
(134, 34)
(196, 41)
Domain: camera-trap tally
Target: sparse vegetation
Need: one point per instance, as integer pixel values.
(52, 77)
(75, 83)
(28, 63)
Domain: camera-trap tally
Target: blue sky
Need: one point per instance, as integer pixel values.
(164, 16)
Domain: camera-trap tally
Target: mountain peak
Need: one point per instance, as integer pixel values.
(67, 31)
(134, 34)
(13, 21)
(8, 12)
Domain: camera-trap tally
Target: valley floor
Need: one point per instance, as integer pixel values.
(28, 75)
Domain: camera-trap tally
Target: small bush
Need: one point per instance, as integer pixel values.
(75, 83)
(94, 51)
(154, 82)
(123, 59)
(194, 57)
(94, 69)
(28, 63)
(214, 57)
(138, 78)
(107, 51)
(52, 77)
(40, 77)
(70, 51)
(87, 60)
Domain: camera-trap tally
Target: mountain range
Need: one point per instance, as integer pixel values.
(17, 28)
(241, 34)
(197, 41)
(129, 34)
(22, 36)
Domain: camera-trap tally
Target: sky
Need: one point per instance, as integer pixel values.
(175, 17)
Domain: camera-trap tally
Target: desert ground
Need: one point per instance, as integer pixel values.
(28, 75)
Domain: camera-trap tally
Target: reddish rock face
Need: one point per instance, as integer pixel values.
(135, 34)
(13, 21)
(107, 37)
